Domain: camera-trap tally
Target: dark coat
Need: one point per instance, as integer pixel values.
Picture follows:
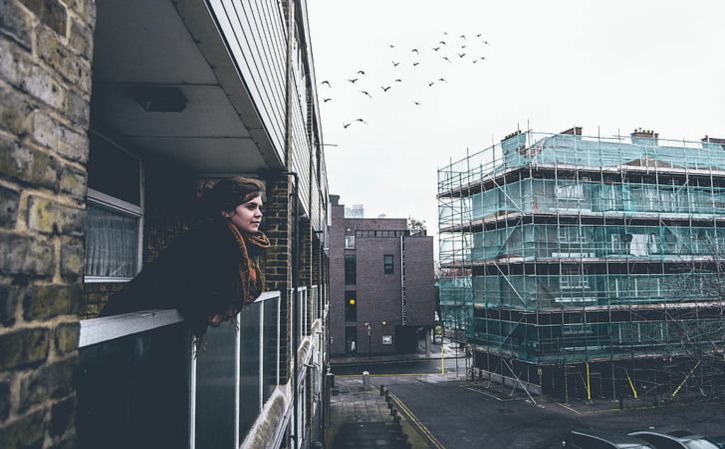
(198, 275)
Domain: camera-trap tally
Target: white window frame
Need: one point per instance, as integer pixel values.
(122, 206)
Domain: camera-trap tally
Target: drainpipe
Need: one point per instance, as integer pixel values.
(291, 4)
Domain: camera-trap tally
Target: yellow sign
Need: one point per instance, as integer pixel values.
(351, 301)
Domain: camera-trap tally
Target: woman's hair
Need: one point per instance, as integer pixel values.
(229, 193)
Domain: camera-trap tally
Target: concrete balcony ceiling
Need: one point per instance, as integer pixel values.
(165, 85)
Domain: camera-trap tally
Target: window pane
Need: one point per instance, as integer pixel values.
(388, 264)
(113, 171)
(350, 270)
(111, 242)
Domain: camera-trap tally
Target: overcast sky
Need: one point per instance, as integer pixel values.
(613, 64)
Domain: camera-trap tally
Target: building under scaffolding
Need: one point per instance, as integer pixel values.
(586, 266)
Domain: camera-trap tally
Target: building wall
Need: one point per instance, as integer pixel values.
(46, 50)
(378, 295)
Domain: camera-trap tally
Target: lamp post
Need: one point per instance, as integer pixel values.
(370, 339)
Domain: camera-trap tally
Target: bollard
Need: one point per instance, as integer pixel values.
(382, 390)
(366, 380)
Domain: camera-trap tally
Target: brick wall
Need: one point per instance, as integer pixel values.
(45, 85)
(277, 224)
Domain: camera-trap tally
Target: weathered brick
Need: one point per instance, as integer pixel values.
(15, 111)
(58, 56)
(15, 23)
(62, 417)
(25, 347)
(50, 381)
(4, 400)
(73, 182)
(52, 13)
(26, 255)
(41, 84)
(71, 257)
(28, 164)
(10, 297)
(78, 109)
(48, 301)
(26, 433)
(9, 200)
(81, 38)
(66, 337)
(48, 216)
(51, 133)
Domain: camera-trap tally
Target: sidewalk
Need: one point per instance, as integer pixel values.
(360, 419)
(448, 348)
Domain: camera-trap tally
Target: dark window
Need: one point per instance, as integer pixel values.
(350, 305)
(388, 264)
(350, 270)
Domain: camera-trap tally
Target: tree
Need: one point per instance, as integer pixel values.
(416, 226)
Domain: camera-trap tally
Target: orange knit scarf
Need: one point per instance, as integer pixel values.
(250, 275)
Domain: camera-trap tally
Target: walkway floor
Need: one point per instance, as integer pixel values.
(360, 419)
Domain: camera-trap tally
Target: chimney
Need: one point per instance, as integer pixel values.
(575, 131)
(713, 143)
(335, 200)
(644, 137)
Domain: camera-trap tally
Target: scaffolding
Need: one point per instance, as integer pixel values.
(558, 249)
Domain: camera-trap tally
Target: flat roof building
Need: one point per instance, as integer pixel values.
(381, 284)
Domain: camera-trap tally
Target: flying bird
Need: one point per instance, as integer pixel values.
(431, 83)
(415, 64)
(345, 125)
(395, 64)
(325, 100)
(478, 35)
(462, 36)
(398, 80)
(326, 82)
(366, 93)
(416, 103)
(460, 55)
(442, 42)
(446, 58)
(485, 42)
(463, 46)
(361, 120)
(361, 72)
(385, 89)
(415, 50)
(445, 33)
(391, 45)
(436, 48)
(353, 80)
(481, 58)
(443, 80)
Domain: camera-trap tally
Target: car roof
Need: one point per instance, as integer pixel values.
(612, 437)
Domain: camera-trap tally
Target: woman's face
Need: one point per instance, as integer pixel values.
(247, 216)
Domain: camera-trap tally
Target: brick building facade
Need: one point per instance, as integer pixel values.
(381, 285)
(112, 115)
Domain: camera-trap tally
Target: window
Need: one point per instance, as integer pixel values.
(349, 242)
(570, 192)
(350, 305)
(388, 264)
(350, 270)
(114, 213)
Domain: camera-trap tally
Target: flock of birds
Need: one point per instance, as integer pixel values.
(448, 49)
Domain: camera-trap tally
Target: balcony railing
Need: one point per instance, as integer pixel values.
(142, 383)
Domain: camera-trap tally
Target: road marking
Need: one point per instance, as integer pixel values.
(569, 408)
(417, 423)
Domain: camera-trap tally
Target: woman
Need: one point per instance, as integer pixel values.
(209, 273)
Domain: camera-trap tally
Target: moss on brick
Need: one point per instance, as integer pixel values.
(25, 347)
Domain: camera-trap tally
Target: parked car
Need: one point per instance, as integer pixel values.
(594, 439)
(673, 438)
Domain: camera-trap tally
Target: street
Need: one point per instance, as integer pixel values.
(465, 414)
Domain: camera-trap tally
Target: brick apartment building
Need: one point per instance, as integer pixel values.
(381, 284)
(112, 114)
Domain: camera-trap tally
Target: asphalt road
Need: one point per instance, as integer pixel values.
(462, 414)
(461, 418)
